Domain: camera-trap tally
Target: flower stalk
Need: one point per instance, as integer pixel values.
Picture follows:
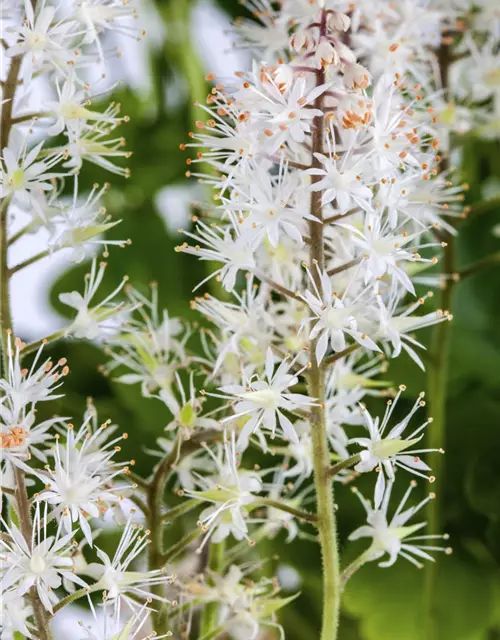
(327, 524)
(6, 327)
(438, 389)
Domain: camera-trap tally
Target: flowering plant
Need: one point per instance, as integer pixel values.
(334, 200)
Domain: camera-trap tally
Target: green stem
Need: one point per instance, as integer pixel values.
(345, 464)
(350, 570)
(180, 510)
(436, 398)
(485, 263)
(5, 313)
(26, 263)
(23, 508)
(180, 546)
(34, 346)
(155, 550)
(327, 524)
(19, 234)
(282, 506)
(71, 598)
(210, 613)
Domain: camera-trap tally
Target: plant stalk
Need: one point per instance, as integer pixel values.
(23, 507)
(327, 524)
(41, 615)
(436, 396)
(210, 613)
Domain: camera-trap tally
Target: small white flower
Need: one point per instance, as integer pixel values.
(81, 224)
(333, 318)
(90, 321)
(386, 451)
(341, 184)
(264, 401)
(230, 491)
(22, 387)
(43, 562)
(72, 110)
(118, 579)
(186, 413)
(395, 537)
(150, 346)
(24, 174)
(234, 251)
(80, 485)
(42, 40)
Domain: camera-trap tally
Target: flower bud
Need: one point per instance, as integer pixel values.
(338, 21)
(326, 54)
(356, 77)
(302, 41)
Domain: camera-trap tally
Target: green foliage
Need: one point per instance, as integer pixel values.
(390, 606)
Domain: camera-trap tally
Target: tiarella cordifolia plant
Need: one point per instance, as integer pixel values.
(333, 196)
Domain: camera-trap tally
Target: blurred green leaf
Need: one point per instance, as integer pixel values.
(465, 608)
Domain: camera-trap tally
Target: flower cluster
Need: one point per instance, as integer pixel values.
(333, 201)
(50, 44)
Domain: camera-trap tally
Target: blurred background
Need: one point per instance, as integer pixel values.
(161, 78)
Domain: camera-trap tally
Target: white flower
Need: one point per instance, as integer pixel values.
(90, 321)
(80, 484)
(332, 317)
(264, 401)
(395, 537)
(23, 388)
(150, 347)
(341, 184)
(230, 491)
(291, 114)
(100, 15)
(245, 326)
(24, 175)
(234, 251)
(269, 34)
(118, 579)
(395, 327)
(94, 146)
(21, 436)
(72, 110)
(108, 626)
(384, 249)
(272, 206)
(43, 562)
(386, 451)
(42, 40)
(186, 413)
(80, 225)
(15, 616)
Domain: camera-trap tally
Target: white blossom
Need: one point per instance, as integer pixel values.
(395, 537)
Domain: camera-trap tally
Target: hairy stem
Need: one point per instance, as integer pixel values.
(437, 392)
(350, 570)
(327, 524)
(23, 508)
(282, 506)
(210, 613)
(9, 91)
(155, 550)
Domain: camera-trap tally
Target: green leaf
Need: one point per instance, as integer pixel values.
(271, 605)
(394, 611)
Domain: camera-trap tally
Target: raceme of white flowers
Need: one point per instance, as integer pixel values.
(330, 204)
